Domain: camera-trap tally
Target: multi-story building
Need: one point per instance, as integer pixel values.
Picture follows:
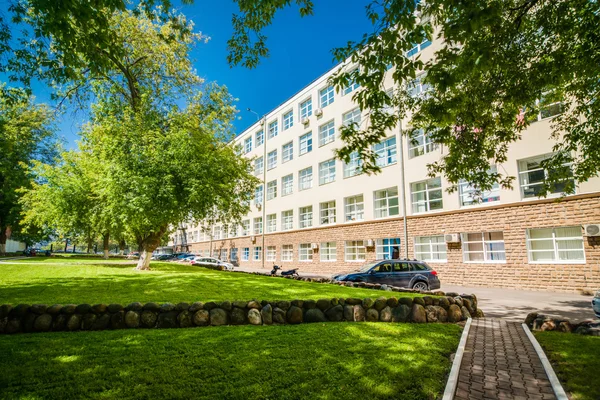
(318, 214)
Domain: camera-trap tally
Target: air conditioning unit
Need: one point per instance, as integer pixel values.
(370, 243)
(452, 238)
(305, 120)
(591, 230)
(318, 112)
(253, 239)
(314, 246)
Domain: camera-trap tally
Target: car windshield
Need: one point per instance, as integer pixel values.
(367, 266)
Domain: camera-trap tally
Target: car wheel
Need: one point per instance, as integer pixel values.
(420, 285)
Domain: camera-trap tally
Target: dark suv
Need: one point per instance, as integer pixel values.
(402, 273)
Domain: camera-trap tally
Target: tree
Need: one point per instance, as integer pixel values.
(26, 135)
(501, 62)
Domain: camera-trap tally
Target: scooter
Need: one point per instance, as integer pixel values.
(291, 272)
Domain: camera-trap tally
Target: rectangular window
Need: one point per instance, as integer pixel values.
(272, 159)
(305, 179)
(259, 138)
(287, 252)
(327, 212)
(305, 252)
(271, 223)
(234, 254)
(259, 164)
(328, 251)
(224, 232)
(387, 249)
(418, 47)
(354, 167)
(271, 253)
(533, 176)
(352, 86)
(326, 96)
(431, 248)
(555, 245)
(306, 215)
(548, 106)
(327, 172)
(306, 108)
(426, 195)
(272, 190)
(386, 152)
(258, 195)
(418, 88)
(258, 225)
(246, 227)
(326, 133)
(483, 247)
(223, 255)
(257, 253)
(273, 129)
(248, 145)
(288, 120)
(306, 143)
(386, 202)
(351, 117)
(245, 253)
(287, 185)
(217, 233)
(419, 143)
(355, 250)
(469, 194)
(287, 152)
(233, 231)
(287, 220)
(354, 208)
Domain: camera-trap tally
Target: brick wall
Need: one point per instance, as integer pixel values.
(512, 220)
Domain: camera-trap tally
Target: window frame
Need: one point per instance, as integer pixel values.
(485, 251)
(272, 189)
(305, 108)
(422, 147)
(257, 226)
(355, 205)
(287, 120)
(305, 180)
(330, 170)
(541, 158)
(271, 253)
(289, 149)
(354, 245)
(306, 141)
(385, 203)
(387, 151)
(306, 250)
(273, 129)
(284, 220)
(287, 183)
(305, 217)
(271, 160)
(427, 192)
(287, 250)
(381, 245)
(555, 248)
(329, 92)
(430, 250)
(257, 253)
(329, 128)
(325, 249)
(271, 223)
(328, 210)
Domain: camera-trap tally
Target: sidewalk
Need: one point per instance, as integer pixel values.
(267, 271)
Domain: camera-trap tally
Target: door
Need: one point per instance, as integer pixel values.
(402, 274)
(382, 273)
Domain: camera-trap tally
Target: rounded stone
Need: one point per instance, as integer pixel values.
(137, 307)
(459, 301)
(43, 323)
(431, 314)
(392, 302)
(254, 317)
(407, 301)
(197, 306)
(428, 300)
(83, 309)
(167, 307)
(309, 304)
(99, 308)
(380, 303)
(13, 326)
(418, 314)
(454, 313)
(368, 303)
(284, 305)
(254, 304)
(359, 313)
(28, 321)
(39, 308)
(167, 320)
(385, 315)
(239, 304)
(20, 310)
(323, 304)
(154, 307)
(238, 316)
(465, 313)
(185, 319)
(444, 302)
(183, 306)
(314, 315)
(294, 315)
(5, 310)
(132, 319)
(201, 318)
(278, 316)
(114, 308)
(218, 317)
(353, 301)
(148, 318)
(60, 322)
(400, 313)
(226, 305)
(210, 305)
(349, 312)
(117, 320)
(372, 315)
(74, 322)
(101, 323)
(88, 321)
(335, 313)
(266, 314)
(297, 303)
(419, 301)
(441, 314)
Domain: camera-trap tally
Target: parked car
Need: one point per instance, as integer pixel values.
(181, 256)
(402, 273)
(596, 304)
(163, 257)
(212, 262)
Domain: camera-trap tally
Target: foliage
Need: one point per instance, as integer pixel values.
(499, 64)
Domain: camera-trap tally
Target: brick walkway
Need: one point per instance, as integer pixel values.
(500, 362)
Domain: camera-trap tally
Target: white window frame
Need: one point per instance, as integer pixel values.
(305, 178)
(353, 85)
(427, 192)
(327, 133)
(248, 145)
(305, 143)
(355, 251)
(383, 250)
(420, 143)
(233, 254)
(354, 167)
(259, 137)
(217, 233)
(417, 48)
(271, 159)
(328, 251)
(305, 217)
(555, 239)
(258, 226)
(523, 175)
(381, 203)
(287, 252)
(327, 212)
(246, 227)
(466, 193)
(245, 253)
(287, 185)
(287, 152)
(305, 252)
(354, 207)
(259, 195)
(287, 220)
(259, 165)
(485, 241)
(257, 253)
(428, 244)
(326, 96)
(272, 189)
(273, 129)
(386, 152)
(417, 88)
(287, 120)
(353, 116)
(327, 172)
(271, 223)
(305, 108)
(271, 253)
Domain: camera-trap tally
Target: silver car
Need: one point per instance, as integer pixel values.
(596, 304)
(212, 262)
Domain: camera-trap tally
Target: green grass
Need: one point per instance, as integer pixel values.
(309, 361)
(52, 281)
(576, 361)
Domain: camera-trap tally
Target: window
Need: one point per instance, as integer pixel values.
(328, 251)
(257, 253)
(355, 250)
(351, 117)
(272, 190)
(272, 159)
(246, 227)
(273, 129)
(550, 245)
(354, 208)
(353, 167)
(258, 166)
(430, 248)
(217, 233)
(224, 232)
(306, 143)
(258, 226)
(387, 249)
(271, 253)
(549, 105)
(386, 152)
(287, 220)
(305, 179)
(234, 254)
(386, 202)
(420, 143)
(352, 85)
(271, 223)
(259, 138)
(245, 253)
(483, 247)
(305, 252)
(233, 231)
(327, 172)
(223, 255)
(326, 133)
(326, 96)
(532, 177)
(287, 152)
(248, 145)
(288, 120)
(306, 214)
(287, 252)
(306, 108)
(469, 194)
(418, 47)
(258, 195)
(418, 88)
(287, 184)
(426, 195)
(328, 212)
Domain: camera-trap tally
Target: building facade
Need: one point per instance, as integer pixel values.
(318, 214)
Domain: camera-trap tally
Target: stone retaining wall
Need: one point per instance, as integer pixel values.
(541, 322)
(71, 317)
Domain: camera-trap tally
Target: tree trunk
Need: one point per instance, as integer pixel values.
(3, 239)
(121, 246)
(149, 244)
(66, 244)
(105, 244)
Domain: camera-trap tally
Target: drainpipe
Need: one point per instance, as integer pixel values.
(402, 186)
(264, 193)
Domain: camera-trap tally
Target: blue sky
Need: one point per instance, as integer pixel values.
(300, 52)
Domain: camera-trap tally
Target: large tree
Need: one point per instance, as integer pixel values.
(501, 62)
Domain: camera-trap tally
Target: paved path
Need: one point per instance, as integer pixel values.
(500, 362)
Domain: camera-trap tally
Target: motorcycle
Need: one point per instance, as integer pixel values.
(291, 272)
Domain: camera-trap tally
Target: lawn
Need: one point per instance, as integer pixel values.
(309, 361)
(60, 281)
(576, 361)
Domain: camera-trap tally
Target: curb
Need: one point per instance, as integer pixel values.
(559, 392)
(453, 378)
